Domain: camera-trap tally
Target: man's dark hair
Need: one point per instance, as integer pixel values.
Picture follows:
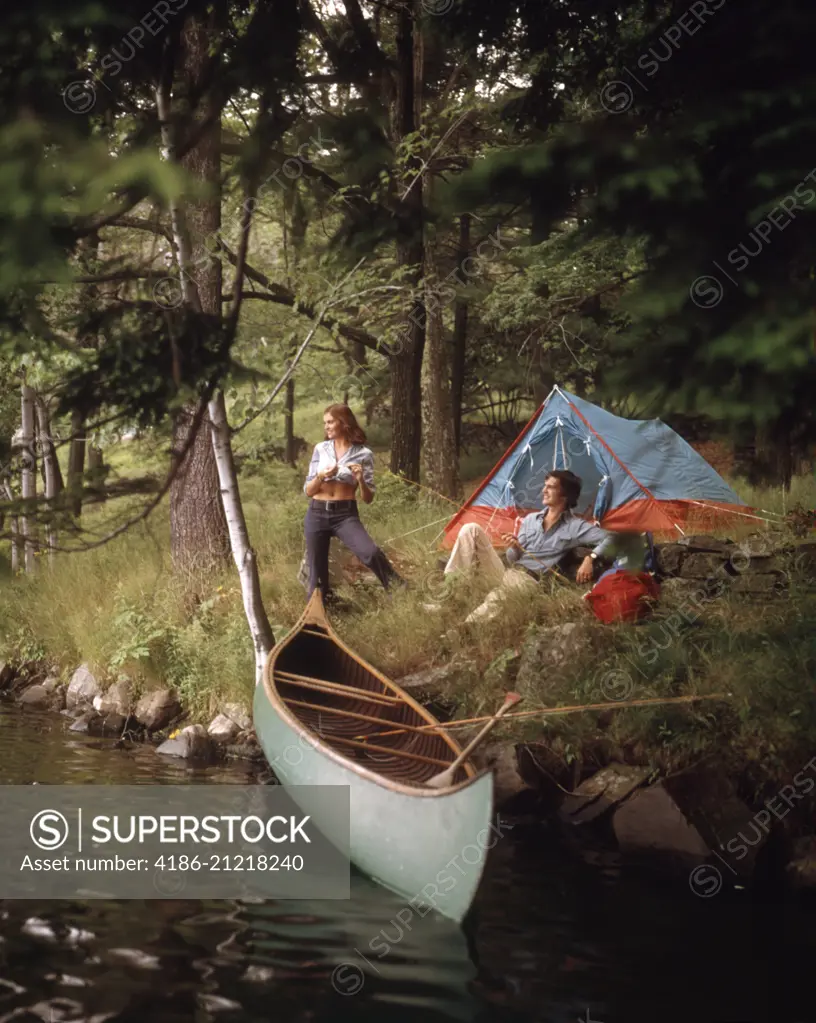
(570, 485)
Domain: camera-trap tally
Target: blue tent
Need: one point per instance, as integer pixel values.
(638, 474)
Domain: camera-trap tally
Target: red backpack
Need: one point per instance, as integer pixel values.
(620, 596)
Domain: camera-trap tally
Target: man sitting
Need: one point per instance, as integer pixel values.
(544, 538)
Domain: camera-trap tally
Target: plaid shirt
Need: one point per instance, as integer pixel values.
(542, 549)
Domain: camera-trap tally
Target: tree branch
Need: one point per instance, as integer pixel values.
(284, 296)
(140, 224)
(298, 355)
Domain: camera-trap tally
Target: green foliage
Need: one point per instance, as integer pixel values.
(704, 167)
(148, 365)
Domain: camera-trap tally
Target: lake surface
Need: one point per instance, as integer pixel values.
(553, 939)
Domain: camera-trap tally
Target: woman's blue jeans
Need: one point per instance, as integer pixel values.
(326, 519)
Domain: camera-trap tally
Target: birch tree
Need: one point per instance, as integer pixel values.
(242, 553)
(14, 529)
(53, 476)
(29, 476)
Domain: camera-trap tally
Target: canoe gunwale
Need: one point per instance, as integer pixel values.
(316, 742)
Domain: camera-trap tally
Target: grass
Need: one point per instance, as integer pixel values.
(121, 609)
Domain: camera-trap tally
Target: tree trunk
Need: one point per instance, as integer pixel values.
(76, 462)
(406, 366)
(439, 445)
(205, 521)
(49, 450)
(460, 328)
(359, 354)
(96, 472)
(14, 527)
(245, 561)
(199, 539)
(300, 225)
(29, 475)
(289, 423)
(53, 476)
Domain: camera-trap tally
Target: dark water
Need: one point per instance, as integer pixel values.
(553, 939)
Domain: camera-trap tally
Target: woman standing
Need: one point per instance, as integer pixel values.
(339, 465)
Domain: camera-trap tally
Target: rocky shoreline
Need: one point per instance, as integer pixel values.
(694, 825)
(156, 717)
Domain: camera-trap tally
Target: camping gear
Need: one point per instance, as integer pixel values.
(444, 778)
(314, 711)
(633, 552)
(638, 475)
(623, 596)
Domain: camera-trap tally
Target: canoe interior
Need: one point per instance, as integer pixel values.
(313, 654)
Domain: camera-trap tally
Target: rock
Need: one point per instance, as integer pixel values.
(222, 729)
(508, 784)
(502, 671)
(709, 801)
(52, 684)
(690, 591)
(235, 712)
(604, 790)
(757, 545)
(192, 743)
(74, 712)
(430, 682)
(651, 822)
(758, 563)
(36, 696)
(111, 724)
(57, 698)
(7, 673)
(803, 560)
(244, 751)
(670, 557)
(83, 722)
(802, 867)
(82, 688)
(703, 566)
(756, 583)
(157, 709)
(552, 647)
(708, 543)
(117, 699)
(258, 974)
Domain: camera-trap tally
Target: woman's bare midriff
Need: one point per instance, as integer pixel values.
(336, 492)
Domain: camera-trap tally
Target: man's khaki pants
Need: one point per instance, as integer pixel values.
(473, 550)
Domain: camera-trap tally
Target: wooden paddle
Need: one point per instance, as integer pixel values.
(445, 778)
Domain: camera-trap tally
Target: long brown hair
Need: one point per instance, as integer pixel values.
(352, 431)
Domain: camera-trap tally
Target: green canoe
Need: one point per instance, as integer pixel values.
(325, 717)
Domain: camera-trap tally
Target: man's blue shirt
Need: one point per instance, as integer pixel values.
(543, 549)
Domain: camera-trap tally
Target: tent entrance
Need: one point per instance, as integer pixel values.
(559, 448)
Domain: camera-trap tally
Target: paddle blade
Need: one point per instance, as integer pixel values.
(445, 778)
